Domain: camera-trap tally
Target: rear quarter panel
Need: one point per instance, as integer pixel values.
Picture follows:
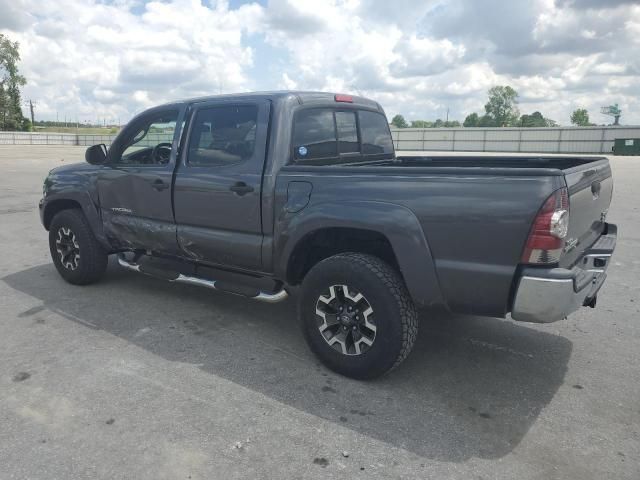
(474, 225)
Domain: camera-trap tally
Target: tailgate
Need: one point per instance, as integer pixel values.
(590, 188)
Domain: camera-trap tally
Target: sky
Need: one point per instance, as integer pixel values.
(89, 59)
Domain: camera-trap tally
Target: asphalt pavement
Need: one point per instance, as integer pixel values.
(137, 378)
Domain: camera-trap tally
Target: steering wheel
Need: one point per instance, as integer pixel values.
(161, 153)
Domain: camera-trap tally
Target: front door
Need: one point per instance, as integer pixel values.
(134, 187)
(218, 184)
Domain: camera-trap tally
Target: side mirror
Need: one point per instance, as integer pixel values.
(96, 154)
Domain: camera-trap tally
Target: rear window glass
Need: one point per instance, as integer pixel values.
(337, 136)
(347, 132)
(314, 134)
(376, 138)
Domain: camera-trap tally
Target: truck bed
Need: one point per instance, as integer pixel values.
(561, 163)
(588, 180)
(475, 212)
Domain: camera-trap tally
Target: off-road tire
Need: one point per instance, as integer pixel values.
(396, 318)
(92, 262)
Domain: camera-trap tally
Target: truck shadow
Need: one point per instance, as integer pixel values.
(471, 388)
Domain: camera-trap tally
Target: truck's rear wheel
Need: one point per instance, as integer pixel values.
(357, 315)
(76, 253)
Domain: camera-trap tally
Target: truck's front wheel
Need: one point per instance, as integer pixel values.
(76, 253)
(357, 315)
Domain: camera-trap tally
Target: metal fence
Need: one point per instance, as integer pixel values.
(530, 140)
(29, 138)
(538, 140)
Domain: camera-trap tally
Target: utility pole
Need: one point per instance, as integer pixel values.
(31, 104)
(447, 120)
(33, 119)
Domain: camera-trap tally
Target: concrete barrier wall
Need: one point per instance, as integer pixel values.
(536, 140)
(29, 138)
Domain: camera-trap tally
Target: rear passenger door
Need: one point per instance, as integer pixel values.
(218, 184)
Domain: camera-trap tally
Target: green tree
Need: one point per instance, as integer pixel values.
(472, 120)
(534, 120)
(452, 124)
(4, 102)
(11, 117)
(486, 121)
(26, 126)
(438, 123)
(399, 122)
(580, 117)
(502, 106)
(421, 124)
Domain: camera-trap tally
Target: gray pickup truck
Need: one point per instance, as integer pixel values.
(255, 194)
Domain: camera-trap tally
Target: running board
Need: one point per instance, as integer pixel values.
(201, 282)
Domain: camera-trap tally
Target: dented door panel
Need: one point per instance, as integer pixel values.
(135, 214)
(136, 200)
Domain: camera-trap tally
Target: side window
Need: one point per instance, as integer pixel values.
(223, 135)
(347, 132)
(150, 140)
(314, 134)
(376, 138)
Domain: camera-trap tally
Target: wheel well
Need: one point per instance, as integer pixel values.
(55, 207)
(324, 243)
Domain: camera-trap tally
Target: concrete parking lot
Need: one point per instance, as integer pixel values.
(136, 378)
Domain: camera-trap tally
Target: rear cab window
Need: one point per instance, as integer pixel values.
(325, 136)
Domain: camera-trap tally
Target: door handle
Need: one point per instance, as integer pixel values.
(159, 185)
(241, 188)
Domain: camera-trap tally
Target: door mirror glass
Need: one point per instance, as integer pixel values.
(96, 154)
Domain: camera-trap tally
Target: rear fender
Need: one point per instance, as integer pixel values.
(397, 223)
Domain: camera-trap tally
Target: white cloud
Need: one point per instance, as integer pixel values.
(92, 60)
(95, 59)
(425, 56)
(287, 83)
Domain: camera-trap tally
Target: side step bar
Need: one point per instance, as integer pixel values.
(201, 282)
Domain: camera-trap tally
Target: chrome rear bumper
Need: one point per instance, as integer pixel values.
(547, 295)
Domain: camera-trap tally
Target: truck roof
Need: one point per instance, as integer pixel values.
(303, 97)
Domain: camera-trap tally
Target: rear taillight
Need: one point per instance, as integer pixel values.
(549, 229)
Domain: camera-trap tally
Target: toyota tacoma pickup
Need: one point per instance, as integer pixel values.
(258, 194)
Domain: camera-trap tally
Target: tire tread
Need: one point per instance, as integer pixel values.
(94, 259)
(390, 280)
